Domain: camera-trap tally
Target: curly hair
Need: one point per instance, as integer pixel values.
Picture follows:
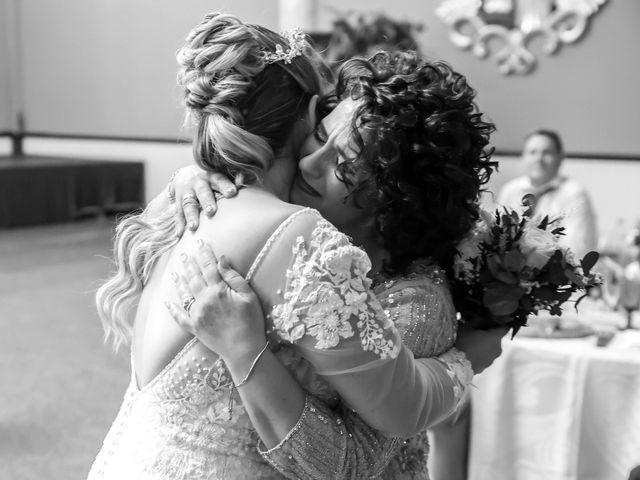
(424, 154)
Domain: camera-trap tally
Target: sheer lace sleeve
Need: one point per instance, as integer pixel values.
(337, 443)
(328, 313)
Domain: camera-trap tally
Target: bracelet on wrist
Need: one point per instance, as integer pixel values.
(253, 366)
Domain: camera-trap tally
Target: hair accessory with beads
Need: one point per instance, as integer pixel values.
(297, 42)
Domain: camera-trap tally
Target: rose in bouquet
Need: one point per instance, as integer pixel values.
(512, 265)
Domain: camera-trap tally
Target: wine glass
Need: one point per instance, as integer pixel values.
(629, 298)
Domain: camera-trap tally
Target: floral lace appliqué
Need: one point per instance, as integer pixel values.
(459, 369)
(327, 290)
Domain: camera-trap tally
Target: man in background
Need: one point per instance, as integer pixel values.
(557, 196)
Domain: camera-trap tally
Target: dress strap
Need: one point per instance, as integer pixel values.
(272, 239)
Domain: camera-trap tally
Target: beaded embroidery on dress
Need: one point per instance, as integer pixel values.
(420, 305)
(188, 423)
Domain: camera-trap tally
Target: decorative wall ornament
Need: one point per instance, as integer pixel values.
(514, 23)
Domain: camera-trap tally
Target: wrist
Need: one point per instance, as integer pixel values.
(242, 364)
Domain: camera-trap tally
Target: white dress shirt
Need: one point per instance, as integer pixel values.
(562, 198)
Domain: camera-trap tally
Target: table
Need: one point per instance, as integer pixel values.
(558, 409)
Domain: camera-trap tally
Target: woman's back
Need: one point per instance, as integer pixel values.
(181, 417)
(238, 231)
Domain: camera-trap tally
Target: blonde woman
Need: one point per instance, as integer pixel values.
(248, 92)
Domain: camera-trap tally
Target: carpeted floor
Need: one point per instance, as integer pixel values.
(60, 386)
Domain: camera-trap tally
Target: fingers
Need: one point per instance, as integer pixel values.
(208, 263)
(191, 209)
(181, 223)
(205, 196)
(220, 183)
(232, 278)
(180, 316)
(193, 274)
(182, 287)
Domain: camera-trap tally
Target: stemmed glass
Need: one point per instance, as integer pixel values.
(629, 291)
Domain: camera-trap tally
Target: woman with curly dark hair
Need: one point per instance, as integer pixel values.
(419, 154)
(398, 164)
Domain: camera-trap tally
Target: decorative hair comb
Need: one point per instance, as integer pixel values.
(297, 42)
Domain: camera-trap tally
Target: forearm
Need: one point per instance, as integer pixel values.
(449, 446)
(327, 443)
(271, 396)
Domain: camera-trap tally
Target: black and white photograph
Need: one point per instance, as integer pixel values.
(319, 239)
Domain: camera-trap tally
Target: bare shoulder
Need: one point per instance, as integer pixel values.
(242, 225)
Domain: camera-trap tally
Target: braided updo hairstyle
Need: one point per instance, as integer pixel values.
(244, 110)
(242, 107)
(424, 155)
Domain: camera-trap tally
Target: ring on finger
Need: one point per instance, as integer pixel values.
(188, 198)
(187, 303)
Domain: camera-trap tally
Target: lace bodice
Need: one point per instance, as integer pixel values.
(188, 423)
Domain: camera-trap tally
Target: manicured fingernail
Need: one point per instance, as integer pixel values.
(174, 276)
(192, 225)
(209, 209)
(224, 263)
(183, 257)
(230, 191)
(200, 242)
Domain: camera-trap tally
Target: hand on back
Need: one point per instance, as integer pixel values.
(219, 307)
(193, 189)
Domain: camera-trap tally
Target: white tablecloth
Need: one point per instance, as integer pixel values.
(558, 409)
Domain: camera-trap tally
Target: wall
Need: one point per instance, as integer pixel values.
(107, 67)
(588, 91)
(5, 90)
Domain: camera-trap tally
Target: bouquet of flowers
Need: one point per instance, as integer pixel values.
(511, 266)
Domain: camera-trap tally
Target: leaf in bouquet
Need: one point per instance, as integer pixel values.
(564, 295)
(588, 261)
(514, 260)
(529, 202)
(526, 303)
(558, 231)
(544, 223)
(555, 310)
(574, 277)
(557, 273)
(579, 300)
(493, 264)
(507, 277)
(501, 299)
(515, 330)
(545, 294)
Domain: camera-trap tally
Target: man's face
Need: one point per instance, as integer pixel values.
(316, 184)
(541, 159)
